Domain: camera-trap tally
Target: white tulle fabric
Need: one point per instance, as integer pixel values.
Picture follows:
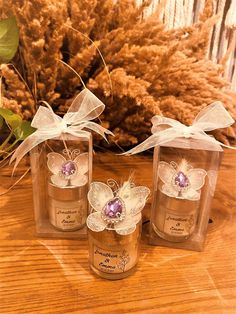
(79, 178)
(134, 199)
(84, 108)
(196, 177)
(164, 130)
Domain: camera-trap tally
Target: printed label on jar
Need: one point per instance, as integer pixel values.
(114, 261)
(179, 225)
(68, 218)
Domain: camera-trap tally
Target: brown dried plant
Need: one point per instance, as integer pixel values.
(153, 70)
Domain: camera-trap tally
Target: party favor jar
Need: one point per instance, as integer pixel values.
(61, 165)
(114, 228)
(184, 183)
(185, 167)
(63, 186)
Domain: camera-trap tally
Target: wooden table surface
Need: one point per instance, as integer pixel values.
(39, 275)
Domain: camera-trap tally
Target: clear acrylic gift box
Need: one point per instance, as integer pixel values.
(61, 164)
(61, 174)
(185, 175)
(185, 167)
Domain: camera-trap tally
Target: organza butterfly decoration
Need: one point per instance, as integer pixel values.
(119, 210)
(181, 181)
(68, 172)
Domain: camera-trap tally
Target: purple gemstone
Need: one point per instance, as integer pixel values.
(113, 208)
(68, 168)
(181, 180)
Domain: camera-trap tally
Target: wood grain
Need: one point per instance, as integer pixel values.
(39, 275)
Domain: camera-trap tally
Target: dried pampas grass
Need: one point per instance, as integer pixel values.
(152, 70)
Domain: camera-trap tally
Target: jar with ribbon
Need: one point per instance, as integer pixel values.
(114, 228)
(185, 166)
(61, 165)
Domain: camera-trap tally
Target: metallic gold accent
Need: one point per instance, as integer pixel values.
(67, 193)
(177, 204)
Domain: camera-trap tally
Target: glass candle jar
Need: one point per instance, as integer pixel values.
(61, 174)
(174, 219)
(114, 256)
(67, 207)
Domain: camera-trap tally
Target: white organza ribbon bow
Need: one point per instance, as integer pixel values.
(164, 130)
(84, 108)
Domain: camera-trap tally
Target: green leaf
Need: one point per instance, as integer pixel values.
(24, 130)
(9, 39)
(12, 119)
(4, 111)
(21, 129)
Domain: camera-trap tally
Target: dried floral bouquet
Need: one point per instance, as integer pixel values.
(152, 70)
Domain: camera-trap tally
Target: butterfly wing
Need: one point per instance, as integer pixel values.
(55, 161)
(79, 180)
(99, 194)
(134, 198)
(191, 194)
(82, 168)
(127, 226)
(82, 163)
(197, 178)
(169, 190)
(95, 222)
(166, 172)
(59, 180)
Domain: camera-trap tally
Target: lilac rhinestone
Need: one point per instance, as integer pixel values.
(113, 208)
(68, 168)
(181, 180)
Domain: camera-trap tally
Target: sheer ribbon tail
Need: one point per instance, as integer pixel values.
(155, 139)
(150, 142)
(29, 143)
(98, 129)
